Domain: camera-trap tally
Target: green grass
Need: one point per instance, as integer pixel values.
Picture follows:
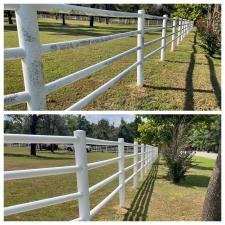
(187, 79)
(155, 199)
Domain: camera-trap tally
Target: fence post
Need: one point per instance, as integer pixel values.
(163, 42)
(154, 154)
(174, 34)
(142, 161)
(140, 52)
(28, 32)
(146, 147)
(179, 31)
(189, 26)
(151, 155)
(135, 168)
(122, 174)
(183, 24)
(146, 158)
(186, 27)
(82, 175)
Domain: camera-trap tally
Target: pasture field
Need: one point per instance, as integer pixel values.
(188, 79)
(155, 199)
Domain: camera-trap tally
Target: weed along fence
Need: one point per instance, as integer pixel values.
(147, 154)
(30, 50)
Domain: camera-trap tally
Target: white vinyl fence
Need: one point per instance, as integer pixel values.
(30, 50)
(147, 154)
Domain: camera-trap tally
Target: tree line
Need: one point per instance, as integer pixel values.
(186, 11)
(65, 125)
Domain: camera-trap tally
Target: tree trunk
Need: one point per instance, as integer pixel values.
(63, 18)
(212, 205)
(210, 15)
(92, 21)
(9, 17)
(33, 130)
(92, 17)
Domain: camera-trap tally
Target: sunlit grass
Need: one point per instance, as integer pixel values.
(155, 199)
(187, 79)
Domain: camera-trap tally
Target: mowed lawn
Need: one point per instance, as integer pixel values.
(155, 199)
(188, 79)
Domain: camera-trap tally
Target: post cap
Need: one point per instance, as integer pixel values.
(121, 140)
(141, 11)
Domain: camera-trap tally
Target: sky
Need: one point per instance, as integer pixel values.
(111, 118)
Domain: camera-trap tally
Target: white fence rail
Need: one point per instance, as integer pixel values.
(30, 51)
(148, 155)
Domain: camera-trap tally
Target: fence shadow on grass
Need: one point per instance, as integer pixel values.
(214, 81)
(138, 210)
(189, 100)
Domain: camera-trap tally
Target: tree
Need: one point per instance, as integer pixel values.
(78, 123)
(124, 131)
(14, 123)
(92, 17)
(212, 204)
(9, 14)
(33, 130)
(102, 130)
(174, 135)
(214, 17)
(177, 152)
(190, 11)
(63, 19)
(53, 125)
(204, 134)
(170, 133)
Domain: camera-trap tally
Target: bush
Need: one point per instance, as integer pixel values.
(178, 164)
(178, 155)
(211, 39)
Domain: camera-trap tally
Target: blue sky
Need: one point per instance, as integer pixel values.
(111, 118)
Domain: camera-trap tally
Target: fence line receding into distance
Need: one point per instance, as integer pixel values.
(30, 50)
(143, 158)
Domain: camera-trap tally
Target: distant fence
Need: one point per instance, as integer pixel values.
(31, 49)
(143, 158)
(99, 19)
(93, 148)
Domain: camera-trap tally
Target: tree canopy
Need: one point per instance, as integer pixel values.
(203, 132)
(65, 125)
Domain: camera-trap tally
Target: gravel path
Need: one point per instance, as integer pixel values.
(206, 155)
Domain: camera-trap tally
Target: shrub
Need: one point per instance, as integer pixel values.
(178, 155)
(211, 39)
(178, 164)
